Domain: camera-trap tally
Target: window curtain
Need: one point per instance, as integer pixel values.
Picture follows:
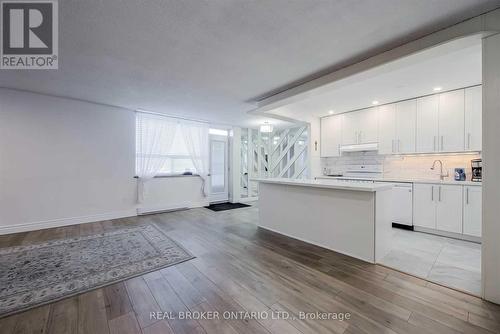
(154, 137)
(196, 137)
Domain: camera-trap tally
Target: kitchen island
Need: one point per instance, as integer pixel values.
(349, 218)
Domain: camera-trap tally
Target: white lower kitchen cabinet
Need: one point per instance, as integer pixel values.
(472, 210)
(424, 205)
(449, 208)
(438, 207)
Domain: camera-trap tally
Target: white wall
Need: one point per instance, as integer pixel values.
(235, 166)
(315, 155)
(65, 162)
(173, 193)
(491, 168)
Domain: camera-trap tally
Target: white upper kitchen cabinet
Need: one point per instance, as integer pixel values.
(387, 129)
(360, 127)
(449, 208)
(406, 119)
(350, 124)
(451, 121)
(472, 210)
(424, 205)
(397, 126)
(331, 136)
(427, 124)
(473, 118)
(368, 125)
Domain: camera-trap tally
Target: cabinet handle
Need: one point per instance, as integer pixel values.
(434, 143)
(393, 146)
(468, 140)
(399, 146)
(357, 137)
(432, 193)
(442, 145)
(440, 193)
(467, 195)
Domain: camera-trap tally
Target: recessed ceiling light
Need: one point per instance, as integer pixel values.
(330, 112)
(437, 89)
(375, 102)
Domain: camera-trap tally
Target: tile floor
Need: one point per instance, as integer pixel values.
(451, 262)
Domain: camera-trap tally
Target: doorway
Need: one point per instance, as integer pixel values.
(219, 190)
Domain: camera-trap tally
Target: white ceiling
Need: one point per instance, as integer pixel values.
(212, 59)
(450, 66)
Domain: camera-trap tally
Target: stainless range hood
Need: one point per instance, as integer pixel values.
(359, 147)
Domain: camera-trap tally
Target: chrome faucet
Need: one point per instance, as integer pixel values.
(441, 175)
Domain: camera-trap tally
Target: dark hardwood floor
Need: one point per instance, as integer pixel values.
(239, 267)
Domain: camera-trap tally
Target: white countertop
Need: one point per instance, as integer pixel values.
(330, 183)
(409, 180)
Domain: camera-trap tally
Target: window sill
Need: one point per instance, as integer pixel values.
(170, 175)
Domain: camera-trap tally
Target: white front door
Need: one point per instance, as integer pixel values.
(218, 168)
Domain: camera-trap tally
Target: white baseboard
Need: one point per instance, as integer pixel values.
(448, 234)
(173, 207)
(25, 227)
(247, 199)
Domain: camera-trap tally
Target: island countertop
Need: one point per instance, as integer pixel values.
(328, 184)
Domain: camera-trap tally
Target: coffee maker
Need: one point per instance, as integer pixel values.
(477, 170)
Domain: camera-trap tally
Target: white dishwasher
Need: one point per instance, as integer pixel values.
(402, 194)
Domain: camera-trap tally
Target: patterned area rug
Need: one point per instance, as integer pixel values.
(42, 273)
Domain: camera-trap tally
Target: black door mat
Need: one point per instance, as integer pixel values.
(226, 206)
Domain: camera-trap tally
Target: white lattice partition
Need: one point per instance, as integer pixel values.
(282, 153)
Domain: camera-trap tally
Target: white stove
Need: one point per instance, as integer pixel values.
(361, 173)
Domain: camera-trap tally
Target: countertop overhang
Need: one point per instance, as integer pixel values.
(405, 180)
(327, 184)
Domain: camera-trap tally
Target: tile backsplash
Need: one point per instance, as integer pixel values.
(404, 166)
